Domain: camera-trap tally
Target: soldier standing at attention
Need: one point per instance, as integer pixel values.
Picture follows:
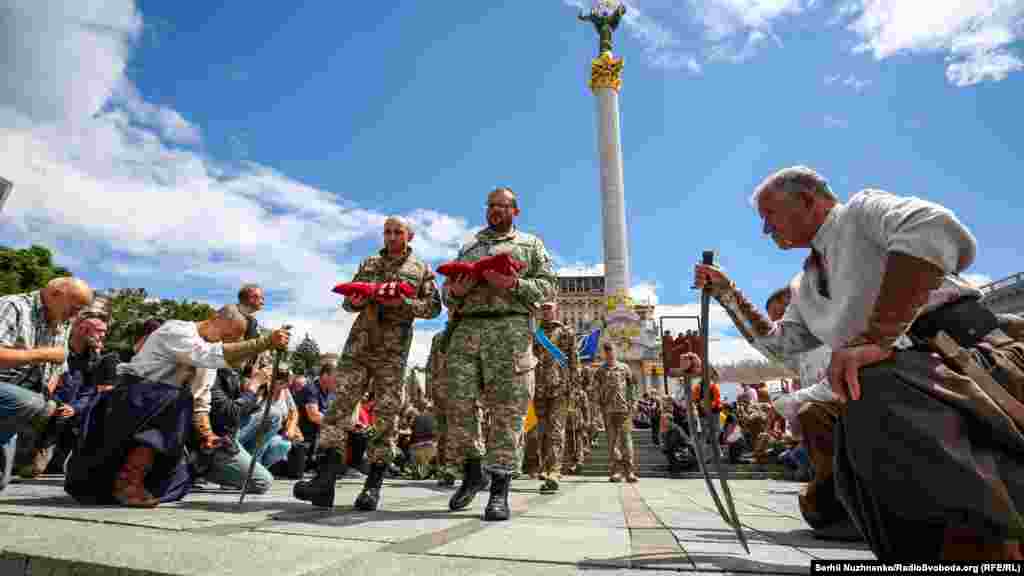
(552, 395)
(490, 354)
(616, 392)
(376, 349)
(437, 389)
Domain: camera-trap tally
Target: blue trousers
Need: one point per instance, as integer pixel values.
(274, 447)
(18, 407)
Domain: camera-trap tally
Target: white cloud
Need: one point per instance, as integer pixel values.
(724, 18)
(660, 42)
(976, 35)
(645, 293)
(978, 279)
(581, 269)
(725, 350)
(103, 173)
(167, 122)
(62, 61)
(850, 81)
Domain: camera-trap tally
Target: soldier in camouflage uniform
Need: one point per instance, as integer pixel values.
(376, 350)
(551, 397)
(437, 389)
(753, 417)
(617, 390)
(595, 420)
(576, 428)
(490, 354)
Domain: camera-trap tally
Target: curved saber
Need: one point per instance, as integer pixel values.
(264, 423)
(708, 258)
(697, 441)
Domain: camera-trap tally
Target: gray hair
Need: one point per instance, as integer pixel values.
(792, 181)
(246, 289)
(231, 313)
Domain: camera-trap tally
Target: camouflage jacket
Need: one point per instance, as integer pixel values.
(552, 379)
(537, 283)
(587, 381)
(388, 330)
(436, 365)
(615, 388)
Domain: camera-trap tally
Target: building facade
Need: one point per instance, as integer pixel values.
(1006, 295)
(582, 304)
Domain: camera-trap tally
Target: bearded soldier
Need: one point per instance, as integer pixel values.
(491, 353)
(551, 398)
(376, 349)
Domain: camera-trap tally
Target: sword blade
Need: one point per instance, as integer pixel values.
(261, 431)
(712, 428)
(697, 441)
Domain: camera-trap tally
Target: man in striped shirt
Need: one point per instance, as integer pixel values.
(33, 355)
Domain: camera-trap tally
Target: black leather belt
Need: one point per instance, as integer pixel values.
(965, 320)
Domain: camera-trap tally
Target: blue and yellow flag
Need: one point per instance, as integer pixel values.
(557, 354)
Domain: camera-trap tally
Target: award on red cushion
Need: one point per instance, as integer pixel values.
(500, 263)
(374, 289)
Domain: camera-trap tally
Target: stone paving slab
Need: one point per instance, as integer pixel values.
(655, 526)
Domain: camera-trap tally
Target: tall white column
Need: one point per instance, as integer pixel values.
(623, 324)
(613, 199)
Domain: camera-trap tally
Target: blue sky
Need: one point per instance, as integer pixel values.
(188, 147)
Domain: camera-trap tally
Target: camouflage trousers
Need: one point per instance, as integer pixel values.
(619, 428)
(354, 376)
(439, 393)
(577, 441)
(551, 416)
(490, 364)
(753, 418)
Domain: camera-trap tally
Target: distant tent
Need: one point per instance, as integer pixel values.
(587, 346)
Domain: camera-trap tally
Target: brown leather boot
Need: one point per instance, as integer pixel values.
(128, 488)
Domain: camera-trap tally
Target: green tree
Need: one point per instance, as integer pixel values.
(27, 269)
(306, 357)
(131, 307)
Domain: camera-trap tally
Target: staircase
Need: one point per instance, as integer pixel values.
(651, 462)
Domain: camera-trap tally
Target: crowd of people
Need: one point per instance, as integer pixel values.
(905, 420)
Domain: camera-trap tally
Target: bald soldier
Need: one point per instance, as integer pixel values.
(376, 350)
(551, 398)
(490, 356)
(33, 354)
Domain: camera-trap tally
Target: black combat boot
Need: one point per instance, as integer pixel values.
(472, 482)
(320, 490)
(370, 496)
(497, 506)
